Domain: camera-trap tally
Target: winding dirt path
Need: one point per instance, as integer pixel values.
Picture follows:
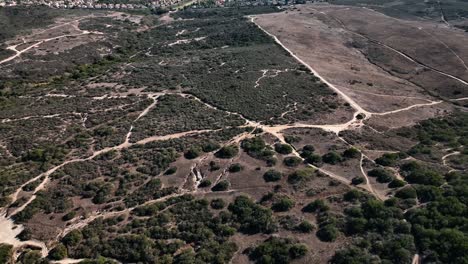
(348, 99)
(40, 41)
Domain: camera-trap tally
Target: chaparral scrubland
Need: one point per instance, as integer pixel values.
(315, 133)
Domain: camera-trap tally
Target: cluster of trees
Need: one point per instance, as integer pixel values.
(144, 237)
(334, 157)
(309, 156)
(146, 240)
(227, 152)
(276, 250)
(257, 148)
(381, 232)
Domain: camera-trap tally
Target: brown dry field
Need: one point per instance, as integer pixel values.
(356, 50)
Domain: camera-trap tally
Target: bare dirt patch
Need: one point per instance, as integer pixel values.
(352, 52)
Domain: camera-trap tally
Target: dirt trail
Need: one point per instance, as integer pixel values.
(41, 41)
(348, 99)
(408, 108)
(444, 160)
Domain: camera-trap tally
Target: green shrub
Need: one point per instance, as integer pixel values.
(272, 175)
(210, 146)
(406, 193)
(351, 153)
(221, 186)
(227, 152)
(72, 238)
(214, 166)
(58, 252)
(316, 206)
(382, 175)
(332, 158)
(354, 255)
(305, 227)
(328, 233)
(352, 195)
(390, 159)
(358, 180)
(204, 183)
(292, 161)
(283, 204)
(283, 148)
(309, 148)
(277, 250)
(301, 175)
(192, 153)
(314, 159)
(69, 216)
(6, 253)
(236, 167)
(170, 171)
(396, 183)
(252, 218)
(217, 204)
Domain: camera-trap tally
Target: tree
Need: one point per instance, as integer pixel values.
(292, 161)
(6, 253)
(210, 146)
(283, 148)
(328, 233)
(352, 195)
(382, 175)
(31, 257)
(309, 148)
(332, 158)
(305, 227)
(192, 153)
(221, 186)
(204, 183)
(227, 152)
(351, 153)
(272, 175)
(316, 206)
(170, 171)
(217, 204)
(353, 255)
(396, 183)
(277, 250)
(283, 204)
(301, 175)
(406, 193)
(236, 167)
(389, 159)
(253, 218)
(358, 180)
(309, 156)
(69, 216)
(58, 252)
(72, 238)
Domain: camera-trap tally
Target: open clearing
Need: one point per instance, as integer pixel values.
(380, 67)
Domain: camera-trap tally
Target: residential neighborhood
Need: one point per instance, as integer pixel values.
(140, 4)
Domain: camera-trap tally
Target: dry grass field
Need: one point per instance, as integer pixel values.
(382, 62)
